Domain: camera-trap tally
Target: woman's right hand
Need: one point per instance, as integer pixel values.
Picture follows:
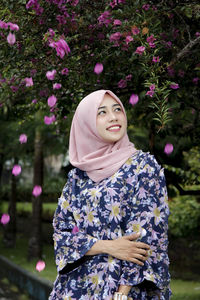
(125, 248)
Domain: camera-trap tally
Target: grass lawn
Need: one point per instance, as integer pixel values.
(182, 290)
(26, 208)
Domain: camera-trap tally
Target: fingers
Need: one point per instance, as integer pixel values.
(131, 237)
(135, 236)
(142, 245)
(136, 261)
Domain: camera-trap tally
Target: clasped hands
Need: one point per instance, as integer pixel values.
(126, 248)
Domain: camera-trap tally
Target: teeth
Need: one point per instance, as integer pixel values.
(114, 127)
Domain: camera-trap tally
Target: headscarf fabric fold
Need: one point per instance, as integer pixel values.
(87, 149)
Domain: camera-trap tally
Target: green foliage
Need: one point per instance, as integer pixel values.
(170, 115)
(185, 290)
(184, 219)
(189, 173)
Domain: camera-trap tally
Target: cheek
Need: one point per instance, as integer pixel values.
(100, 124)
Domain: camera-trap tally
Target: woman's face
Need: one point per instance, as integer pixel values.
(111, 121)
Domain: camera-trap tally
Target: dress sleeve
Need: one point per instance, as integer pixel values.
(70, 242)
(148, 213)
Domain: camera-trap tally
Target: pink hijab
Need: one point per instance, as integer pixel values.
(87, 150)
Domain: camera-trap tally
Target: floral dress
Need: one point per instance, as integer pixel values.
(133, 200)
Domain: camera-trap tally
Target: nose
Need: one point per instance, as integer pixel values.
(112, 116)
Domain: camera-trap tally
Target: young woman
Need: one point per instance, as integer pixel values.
(110, 226)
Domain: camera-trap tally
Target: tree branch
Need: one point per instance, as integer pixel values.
(185, 50)
(186, 192)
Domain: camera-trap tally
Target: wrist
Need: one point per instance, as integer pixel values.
(120, 296)
(107, 246)
(124, 289)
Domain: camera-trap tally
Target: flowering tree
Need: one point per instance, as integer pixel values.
(54, 52)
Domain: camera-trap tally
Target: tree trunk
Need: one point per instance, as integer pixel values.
(152, 138)
(1, 168)
(35, 241)
(11, 228)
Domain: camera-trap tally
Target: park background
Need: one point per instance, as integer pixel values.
(55, 52)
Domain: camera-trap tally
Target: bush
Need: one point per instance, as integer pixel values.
(184, 217)
(52, 189)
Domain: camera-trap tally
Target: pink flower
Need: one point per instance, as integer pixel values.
(57, 86)
(146, 6)
(11, 38)
(151, 39)
(133, 99)
(34, 101)
(28, 81)
(140, 50)
(115, 37)
(75, 229)
(129, 77)
(122, 84)
(23, 138)
(16, 170)
(49, 120)
(51, 74)
(40, 266)
(5, 219)
(117, 22)
(13, 26)
(152, 45)
(61, 47)
(14, 88)
(169, 44)
(3, 25)
(128, 39)
(65, 71)
(168, 148)
(105, 18)
(174, 86)
(150, 93)
(37, 190)
(152, 87)
(195, 80)
(135, 30)
(98, 68)
(52, 101)
(156, 59)
(197, 33)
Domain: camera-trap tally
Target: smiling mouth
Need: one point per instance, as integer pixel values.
(114, 128)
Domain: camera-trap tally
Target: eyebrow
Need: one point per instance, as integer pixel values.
(112, 106)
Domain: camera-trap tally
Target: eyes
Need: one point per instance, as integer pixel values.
(104, 111)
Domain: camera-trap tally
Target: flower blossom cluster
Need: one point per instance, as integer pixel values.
(123, 82)
(150, 41)
(151, 91)
(140, 50)
(35, 6)
(11, 39)
(105, 18)
(61, 47)
(49, 120)
(12, 26)
(116, 2)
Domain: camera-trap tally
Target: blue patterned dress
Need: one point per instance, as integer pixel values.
(133, 200)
